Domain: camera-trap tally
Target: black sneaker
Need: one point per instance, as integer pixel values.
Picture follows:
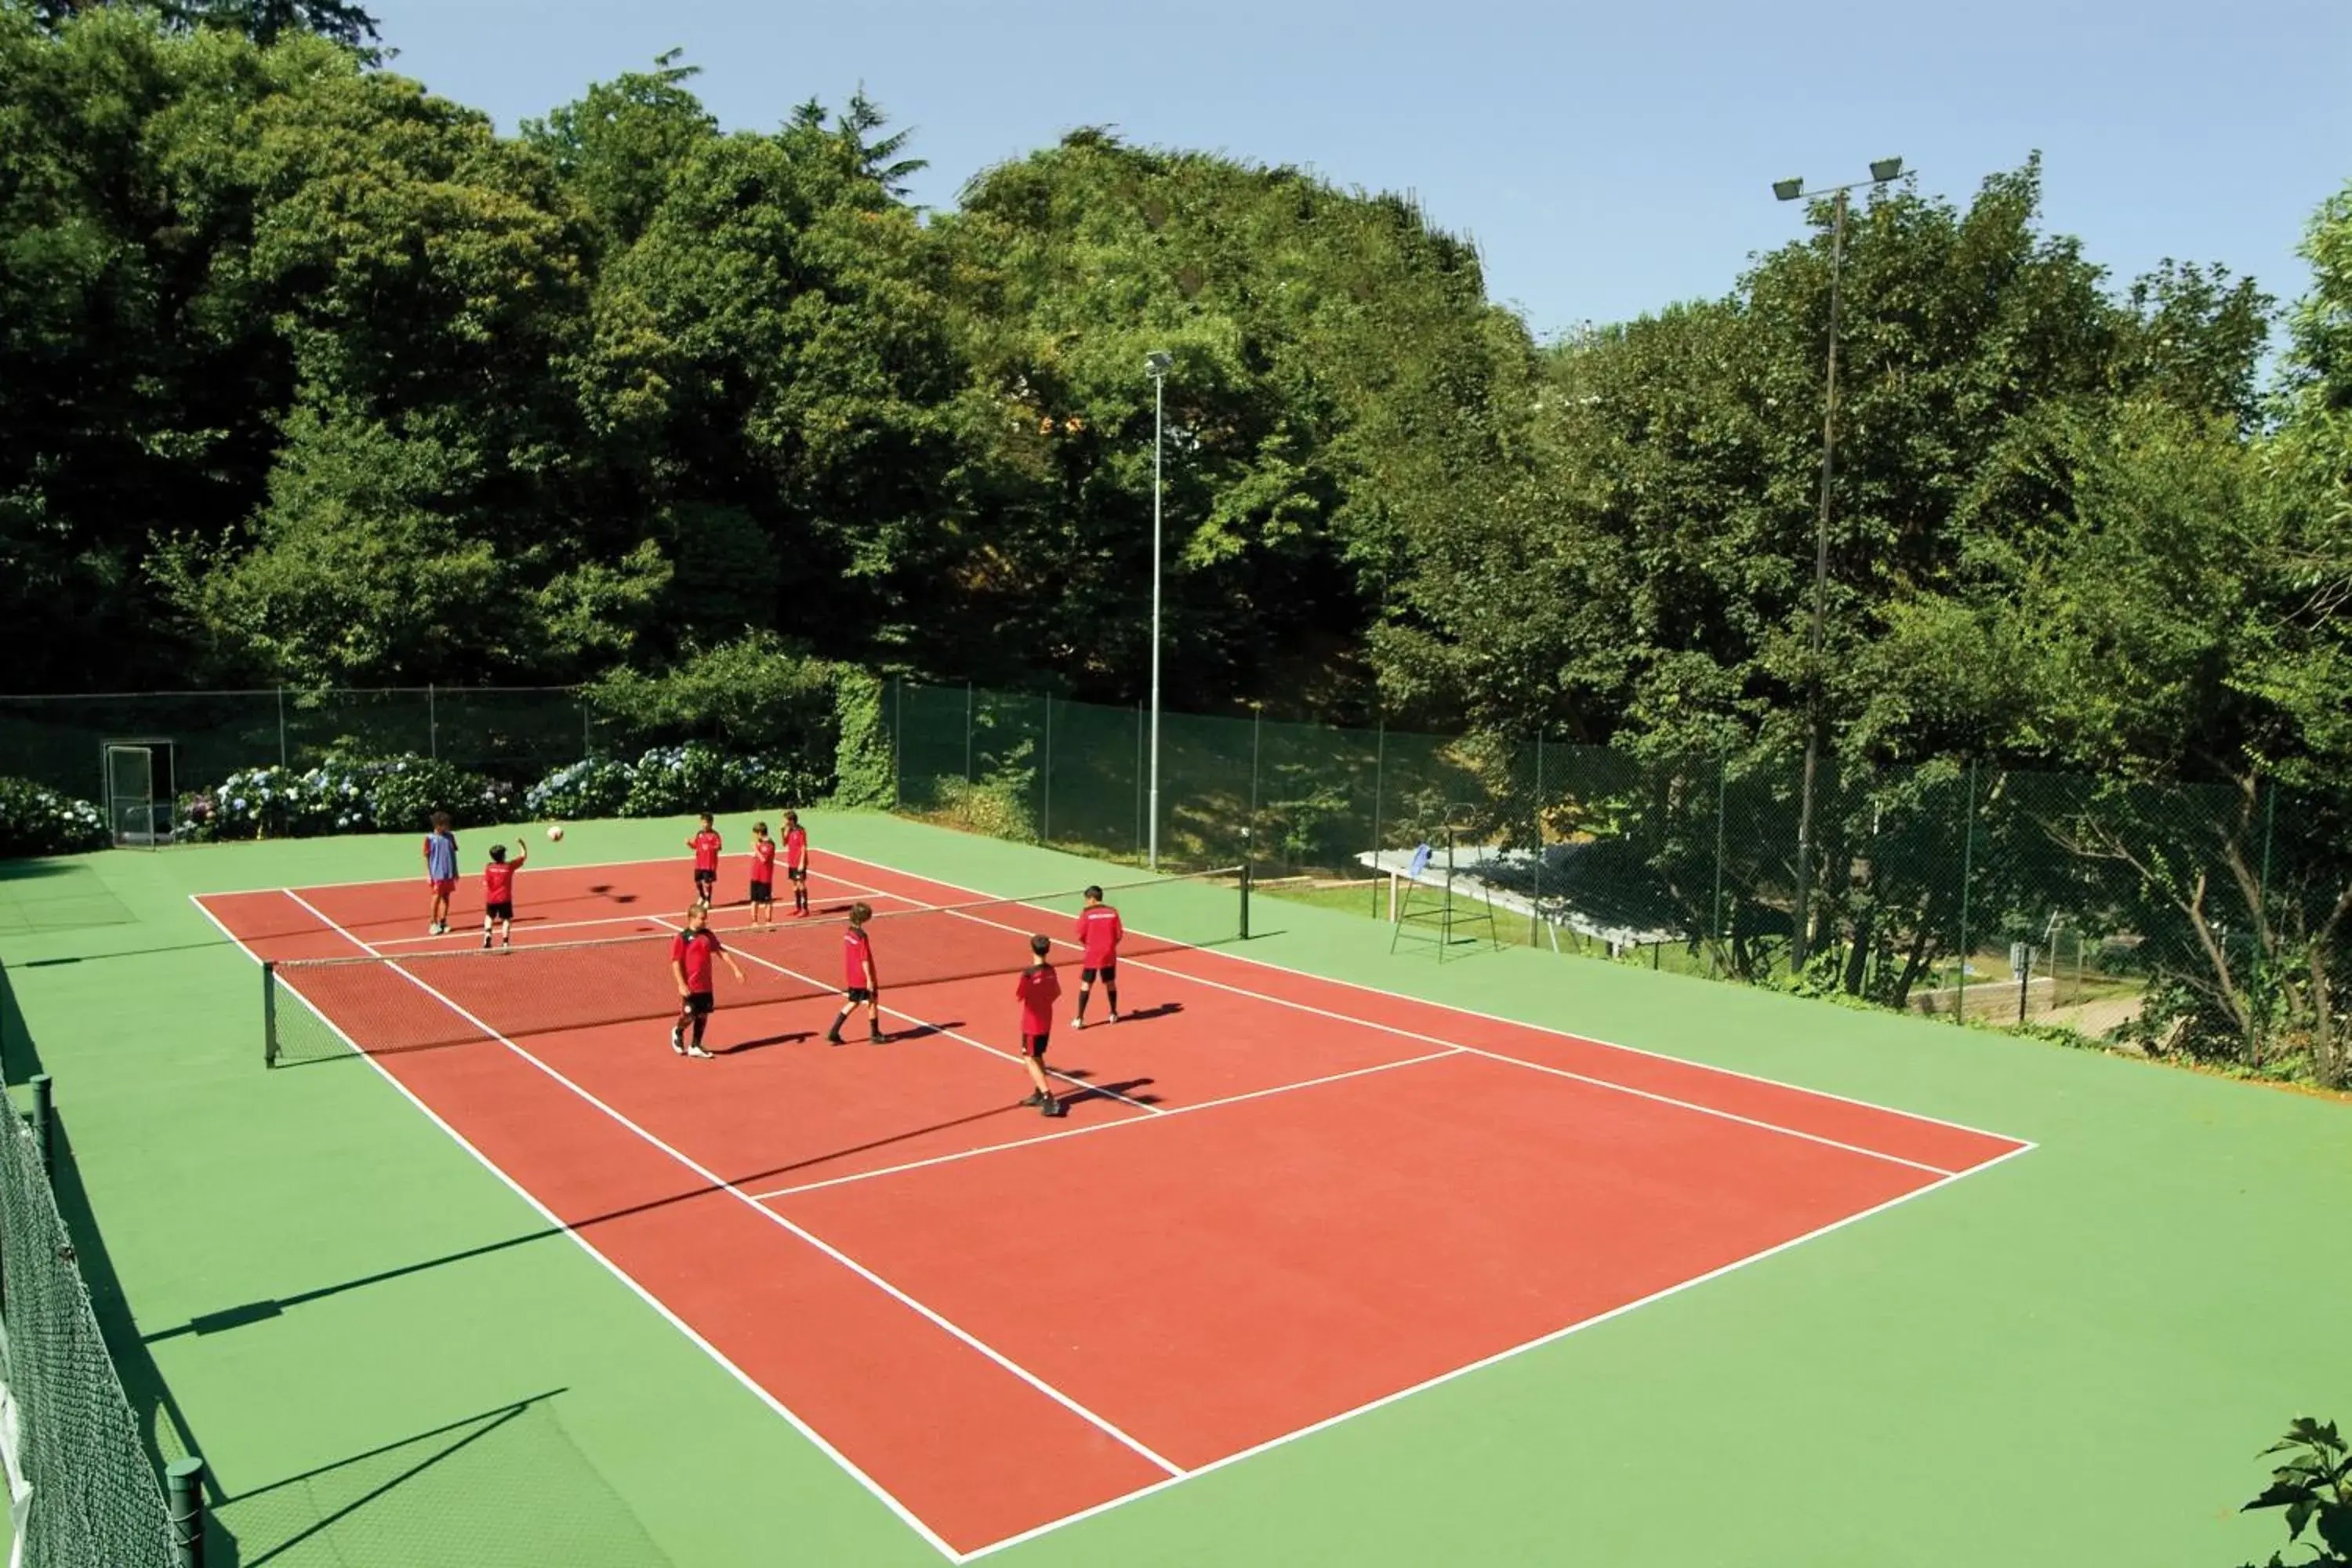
(677, 1041)
(1054, 1108)
(1034, 1097)
(832, 1037)
(485, 942)
(877, 1037)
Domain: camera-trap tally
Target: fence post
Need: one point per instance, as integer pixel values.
(184, 1487)
(898, 741)
(1720, 937)
(587, 732)
(1968, 875)
(1535, 905)
(432, 723)
(1380, 780)
(1257, 733)
(268, 1013)
(44, 1118)
(1046, 777)
(967, 732)
(1139, 776)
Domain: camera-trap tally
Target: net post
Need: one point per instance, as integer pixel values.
(183, 1483)
(44, 1118)
(268, 1013)
(1247, 857)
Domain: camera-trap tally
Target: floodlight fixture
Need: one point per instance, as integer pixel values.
(1884, 169)
(1789, 190)
(1157, 363)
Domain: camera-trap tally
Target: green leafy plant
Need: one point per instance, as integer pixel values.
(35, 820)
(2314, 1485)
(863, 772)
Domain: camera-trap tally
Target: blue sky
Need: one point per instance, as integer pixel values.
(1606, 160)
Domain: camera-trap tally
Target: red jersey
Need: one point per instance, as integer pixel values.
(856, 958)
(763, 860)
(693, 950)
(1038, 989)
(705, 844)
(1099, 934)
(498, 882)
(796, 847)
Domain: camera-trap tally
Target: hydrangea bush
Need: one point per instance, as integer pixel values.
(37, 820)
(596, 786)
(341, 794)
(356, 795)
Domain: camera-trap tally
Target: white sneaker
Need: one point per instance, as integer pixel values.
(698, 1051)
(1077, 1022)
(677, 1041)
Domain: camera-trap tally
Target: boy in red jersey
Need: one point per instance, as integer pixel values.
(796, 864)
(498, 895)
(705, 844)
(440, 872)
(860, 985)
(1039, 988)
(1099, 934)
(763, 878)
(690, 952)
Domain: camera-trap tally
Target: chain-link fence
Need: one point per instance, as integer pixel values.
(2210, 917)
(2206, 916)
(90, 1495)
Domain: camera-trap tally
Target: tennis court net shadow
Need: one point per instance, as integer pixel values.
(501, 1485)
(262, 1311)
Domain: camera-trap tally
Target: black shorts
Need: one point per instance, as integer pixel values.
(704, 879)
(797, 873)
(700, 1003)
(763, 892)
(1034, 1046)
(1109, 972)
(859, 994)
(498, 911)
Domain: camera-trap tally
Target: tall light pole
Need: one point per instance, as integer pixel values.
(1881, 171)
(1155, 366)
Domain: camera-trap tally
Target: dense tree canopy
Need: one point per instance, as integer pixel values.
(311, 376)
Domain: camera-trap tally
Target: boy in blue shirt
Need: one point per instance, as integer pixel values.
(441, 870)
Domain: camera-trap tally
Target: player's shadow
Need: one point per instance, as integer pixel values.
(604, 890)
(1161, 1011)
(262, 1311)
(765, 1041)
(921, 1031)
(1124, 1090)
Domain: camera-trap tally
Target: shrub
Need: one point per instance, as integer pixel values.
(596, 786)
(756, 694)
(342, 794)
(37, 820)
(406, 791)
(669, 780)
(864, 773)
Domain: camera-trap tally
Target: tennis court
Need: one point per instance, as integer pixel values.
(1278, 1200)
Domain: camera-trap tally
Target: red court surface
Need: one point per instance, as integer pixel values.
(1351, 1194)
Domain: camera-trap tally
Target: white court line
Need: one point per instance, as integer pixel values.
(1474, 1013)
(1104, 1126)
(1485, 1361)
(719, 1184)
(1945, 1180)
(849, 1467)
(941, 1029)
(1609, 1084)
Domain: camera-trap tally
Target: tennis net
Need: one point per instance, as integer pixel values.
(319, 1009)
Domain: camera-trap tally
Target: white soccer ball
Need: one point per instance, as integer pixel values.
(555, 835)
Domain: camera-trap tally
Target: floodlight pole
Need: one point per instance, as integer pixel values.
(1801, 942)
(1156, 365)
